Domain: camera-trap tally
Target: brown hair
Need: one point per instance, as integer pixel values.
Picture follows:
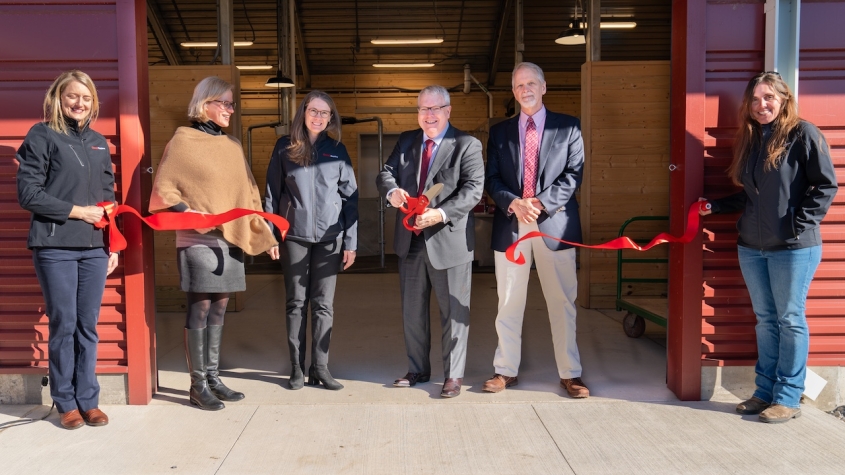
(750, 131)
(300, 148)
(53, 114)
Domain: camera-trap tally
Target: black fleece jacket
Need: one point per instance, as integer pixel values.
(56, 172)
(783, 207)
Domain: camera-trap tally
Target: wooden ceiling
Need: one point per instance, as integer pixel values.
(336, 34)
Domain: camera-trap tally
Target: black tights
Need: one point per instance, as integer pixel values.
(205, 309)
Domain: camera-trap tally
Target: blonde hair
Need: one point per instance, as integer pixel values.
(750, 131)
(54, 116)
(209, 89)
(300, 148)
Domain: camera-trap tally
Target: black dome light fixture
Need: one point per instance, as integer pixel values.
(575, 34)
(279, 80)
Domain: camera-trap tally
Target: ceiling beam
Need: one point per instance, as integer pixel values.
(165, 42)
(300, 44)
(495, 52)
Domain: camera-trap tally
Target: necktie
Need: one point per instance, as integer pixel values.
(532, 153)
(426, 162)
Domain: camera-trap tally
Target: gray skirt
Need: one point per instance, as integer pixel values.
(208, 263)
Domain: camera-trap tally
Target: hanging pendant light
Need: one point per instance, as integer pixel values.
(279, 80)
(572, 36)
(576, 34)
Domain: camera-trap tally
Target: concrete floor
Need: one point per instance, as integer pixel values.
(631, 424)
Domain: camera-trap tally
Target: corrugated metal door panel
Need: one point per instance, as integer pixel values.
(25, 73)
(734, 54)
(821, 96)
(728, 322)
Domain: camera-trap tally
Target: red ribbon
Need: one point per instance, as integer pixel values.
(622, 242)
(177, 221)
(412, 208)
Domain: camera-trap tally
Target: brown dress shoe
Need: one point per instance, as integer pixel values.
(776, 413)
(72, 420)
(451, 387)
(755, 405)
(410, 379)
(499, 382)
(95, 417)
(575, 388)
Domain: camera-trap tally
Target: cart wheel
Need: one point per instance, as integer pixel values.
(634, 325)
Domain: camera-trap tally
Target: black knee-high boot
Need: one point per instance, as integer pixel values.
(223, 393)
(195, 348)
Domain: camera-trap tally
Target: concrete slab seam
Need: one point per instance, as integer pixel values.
(552, 437)
(223, 462)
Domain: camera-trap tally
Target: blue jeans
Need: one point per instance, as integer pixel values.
(72, 281)
(778, 282)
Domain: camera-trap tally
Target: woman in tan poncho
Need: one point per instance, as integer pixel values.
(203, 170)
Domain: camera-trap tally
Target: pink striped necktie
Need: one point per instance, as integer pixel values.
(532, 153)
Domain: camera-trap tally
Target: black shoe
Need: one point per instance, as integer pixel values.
(200, 395)
(320, 374)
(297, 379)
(212, 366)
(411, 379)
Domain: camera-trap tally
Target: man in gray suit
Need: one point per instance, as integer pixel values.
(534, 163)
(438, 253)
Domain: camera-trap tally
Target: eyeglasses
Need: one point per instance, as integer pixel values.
(775, 73)
(434, 110)
(226, 104)
(323, 114)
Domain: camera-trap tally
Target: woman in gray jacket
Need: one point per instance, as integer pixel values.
(311, 183)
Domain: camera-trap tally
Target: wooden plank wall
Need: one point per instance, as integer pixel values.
(171, 88)
(626, 135)
(469, 111)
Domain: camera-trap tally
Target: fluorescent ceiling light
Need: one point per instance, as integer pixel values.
(254, 66)
(406, 41)
(211, 44)
(607, 25)
(403, 65)
(618, 24)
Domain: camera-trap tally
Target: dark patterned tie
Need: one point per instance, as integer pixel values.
(426, 162)
(532, 153)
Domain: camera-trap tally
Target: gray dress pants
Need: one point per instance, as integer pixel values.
(452, 288)
(310, 276)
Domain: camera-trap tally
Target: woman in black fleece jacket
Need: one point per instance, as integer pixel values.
(65, 170)
(783, 165)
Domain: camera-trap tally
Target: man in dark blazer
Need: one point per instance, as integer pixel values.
(439, 252)
(534, 163)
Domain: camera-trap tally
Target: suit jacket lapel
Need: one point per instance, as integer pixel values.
(549, 134)
(513, 144)
(416, 159)
(444, 151)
